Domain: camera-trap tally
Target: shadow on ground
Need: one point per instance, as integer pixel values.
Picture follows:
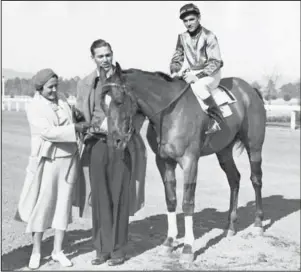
(150, 232)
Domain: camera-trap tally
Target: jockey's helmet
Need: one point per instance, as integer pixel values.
(187, 9)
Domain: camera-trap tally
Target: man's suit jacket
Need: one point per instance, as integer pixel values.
(88, 102)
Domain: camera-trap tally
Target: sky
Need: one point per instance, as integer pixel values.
(257, 39)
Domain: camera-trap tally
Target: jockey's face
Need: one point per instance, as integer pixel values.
(191, 22)
(50, 89)
(103, 57)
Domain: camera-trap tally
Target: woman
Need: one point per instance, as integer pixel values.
(46, 198)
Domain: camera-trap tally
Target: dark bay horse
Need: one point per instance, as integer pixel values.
(176, 134)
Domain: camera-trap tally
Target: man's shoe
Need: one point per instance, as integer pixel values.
(100, 260)
(116, 261)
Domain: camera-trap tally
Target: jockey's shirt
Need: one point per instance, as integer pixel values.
(198, 51)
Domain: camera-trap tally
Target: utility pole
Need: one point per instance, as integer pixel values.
(3, 86)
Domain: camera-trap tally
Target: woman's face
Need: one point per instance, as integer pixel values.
(50, 89)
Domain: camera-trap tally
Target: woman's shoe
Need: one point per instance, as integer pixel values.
(61, 258)
(34, 262)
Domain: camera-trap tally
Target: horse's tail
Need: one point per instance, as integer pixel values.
(259, 94)
(238, 147)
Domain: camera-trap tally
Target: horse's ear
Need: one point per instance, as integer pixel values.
(102, 74)
(118, 70)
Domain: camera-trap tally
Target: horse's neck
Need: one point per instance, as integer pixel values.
(154, 94)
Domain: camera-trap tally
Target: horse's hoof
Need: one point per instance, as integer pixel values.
(258, 231)
(187, 255)
(165, 250)
(230, 233)
(168, 245)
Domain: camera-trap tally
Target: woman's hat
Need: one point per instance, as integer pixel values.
(42, 77)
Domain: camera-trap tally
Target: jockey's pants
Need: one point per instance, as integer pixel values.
(203, 87)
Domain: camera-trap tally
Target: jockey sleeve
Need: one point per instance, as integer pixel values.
(214, 61)
(177, 58)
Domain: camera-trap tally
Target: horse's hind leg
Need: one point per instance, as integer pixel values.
(253, 134)
(255, 158)
(226, 161)
(167, 170)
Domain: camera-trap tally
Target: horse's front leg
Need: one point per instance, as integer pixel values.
(190, 175)
(167, 171)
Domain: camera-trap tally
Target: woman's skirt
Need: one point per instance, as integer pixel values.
(53, 206)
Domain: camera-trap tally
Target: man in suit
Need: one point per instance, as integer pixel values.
(116, 181)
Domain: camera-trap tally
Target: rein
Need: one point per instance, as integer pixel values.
(163, 113)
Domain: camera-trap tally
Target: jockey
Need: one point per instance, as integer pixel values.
(197, 60)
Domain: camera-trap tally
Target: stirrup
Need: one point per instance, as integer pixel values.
(214, 128)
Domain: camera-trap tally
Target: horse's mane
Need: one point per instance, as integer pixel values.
(160, 75)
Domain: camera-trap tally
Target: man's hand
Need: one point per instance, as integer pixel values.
(82, 127)
(190, 77)
(77, 115)
(99, 127)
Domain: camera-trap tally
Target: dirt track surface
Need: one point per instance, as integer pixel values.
(278, 249)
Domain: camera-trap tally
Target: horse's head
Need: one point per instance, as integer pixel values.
(121, 111)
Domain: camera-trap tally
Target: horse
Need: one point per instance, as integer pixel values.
(176, 134)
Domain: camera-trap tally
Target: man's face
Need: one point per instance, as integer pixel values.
(191, 22)
(103, 57)
(50, 89)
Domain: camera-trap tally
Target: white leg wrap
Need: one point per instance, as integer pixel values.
(189, 237)
(172, 225)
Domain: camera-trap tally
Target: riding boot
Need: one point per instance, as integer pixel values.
(215, 114)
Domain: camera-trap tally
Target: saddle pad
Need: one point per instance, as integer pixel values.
(222, 99)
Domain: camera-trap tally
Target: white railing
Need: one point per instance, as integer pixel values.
(20, 104)
(284, 110)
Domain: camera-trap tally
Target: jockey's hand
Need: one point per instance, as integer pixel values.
(174, 75)
(189, 77)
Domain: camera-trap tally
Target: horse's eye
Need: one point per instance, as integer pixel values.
(118, 103)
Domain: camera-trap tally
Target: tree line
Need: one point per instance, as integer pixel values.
(24, 87)
(287, 91)
(16, 87)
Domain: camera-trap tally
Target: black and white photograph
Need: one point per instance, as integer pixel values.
(150, 135)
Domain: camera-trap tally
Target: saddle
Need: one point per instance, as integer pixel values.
(223, 98)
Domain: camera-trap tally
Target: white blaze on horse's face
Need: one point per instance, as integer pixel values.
(103, 57)
(191, 22)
